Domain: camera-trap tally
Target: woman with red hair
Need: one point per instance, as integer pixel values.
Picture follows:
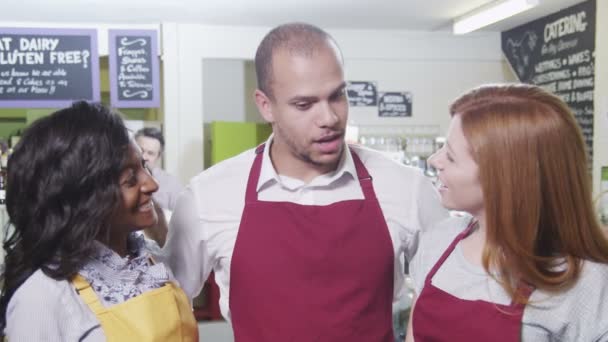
(530, 263)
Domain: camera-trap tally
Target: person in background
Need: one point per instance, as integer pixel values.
(77, 190)
(152, 144)
(530, 263)
(3, 146)
(306, 234)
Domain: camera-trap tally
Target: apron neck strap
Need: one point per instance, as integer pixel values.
(523, 291)
(449, 250)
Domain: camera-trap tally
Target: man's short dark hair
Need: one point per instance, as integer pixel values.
(297, 38)
(152, 132)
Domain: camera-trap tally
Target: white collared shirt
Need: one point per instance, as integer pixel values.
(205, 223)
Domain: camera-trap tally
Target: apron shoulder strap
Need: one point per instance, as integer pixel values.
(251, 194)
(365, 179)
(86, 293)
(449, 250)
(522, 294)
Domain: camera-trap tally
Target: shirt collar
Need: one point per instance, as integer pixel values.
(269, 174)
(135, 248)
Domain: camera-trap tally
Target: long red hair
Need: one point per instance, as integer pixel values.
(533, 169)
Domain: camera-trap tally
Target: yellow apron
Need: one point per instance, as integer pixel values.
(162, 314)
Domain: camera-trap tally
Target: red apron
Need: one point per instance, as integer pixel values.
(439, 316)
(312, 273)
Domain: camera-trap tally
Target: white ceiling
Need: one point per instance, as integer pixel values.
(416, 15)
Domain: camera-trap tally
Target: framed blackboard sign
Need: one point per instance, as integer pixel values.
(362, 93)
(394, 104)
(48, 68)
(557, 53)
(134, 71)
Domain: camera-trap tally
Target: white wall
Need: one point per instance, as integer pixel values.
(433, 84)
(102, 30)
(251, 110)
(600, 142)
(435, 66)
(186, 46)
(223, 90)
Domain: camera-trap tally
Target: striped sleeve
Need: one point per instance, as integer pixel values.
(44, 309)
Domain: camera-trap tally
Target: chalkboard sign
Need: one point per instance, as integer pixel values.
(362, 93)
(42, 68)
(394, 104)
(557, 53)
(134, 69)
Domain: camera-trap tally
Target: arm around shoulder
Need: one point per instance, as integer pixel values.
(430, 209)
(185, 251)
(175, 191)
(409, 337)
(424, 213)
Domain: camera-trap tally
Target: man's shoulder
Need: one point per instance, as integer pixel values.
(395, 171)
(234, 169)
(444, 231)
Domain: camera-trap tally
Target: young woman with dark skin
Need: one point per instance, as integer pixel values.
(78, 190)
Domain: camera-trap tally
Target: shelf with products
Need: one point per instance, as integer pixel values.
(407, 144)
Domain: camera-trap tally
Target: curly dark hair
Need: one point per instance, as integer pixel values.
(62, 188)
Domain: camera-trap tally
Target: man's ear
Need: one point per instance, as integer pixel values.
(264, 106)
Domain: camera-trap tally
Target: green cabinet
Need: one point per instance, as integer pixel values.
(227, 139)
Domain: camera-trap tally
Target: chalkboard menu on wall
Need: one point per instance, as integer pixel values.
(48, 67)
(362, 93)
(558, 53)
(134, 69)
(394, 104)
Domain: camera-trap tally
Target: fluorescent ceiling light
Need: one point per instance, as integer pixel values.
(490, 14)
